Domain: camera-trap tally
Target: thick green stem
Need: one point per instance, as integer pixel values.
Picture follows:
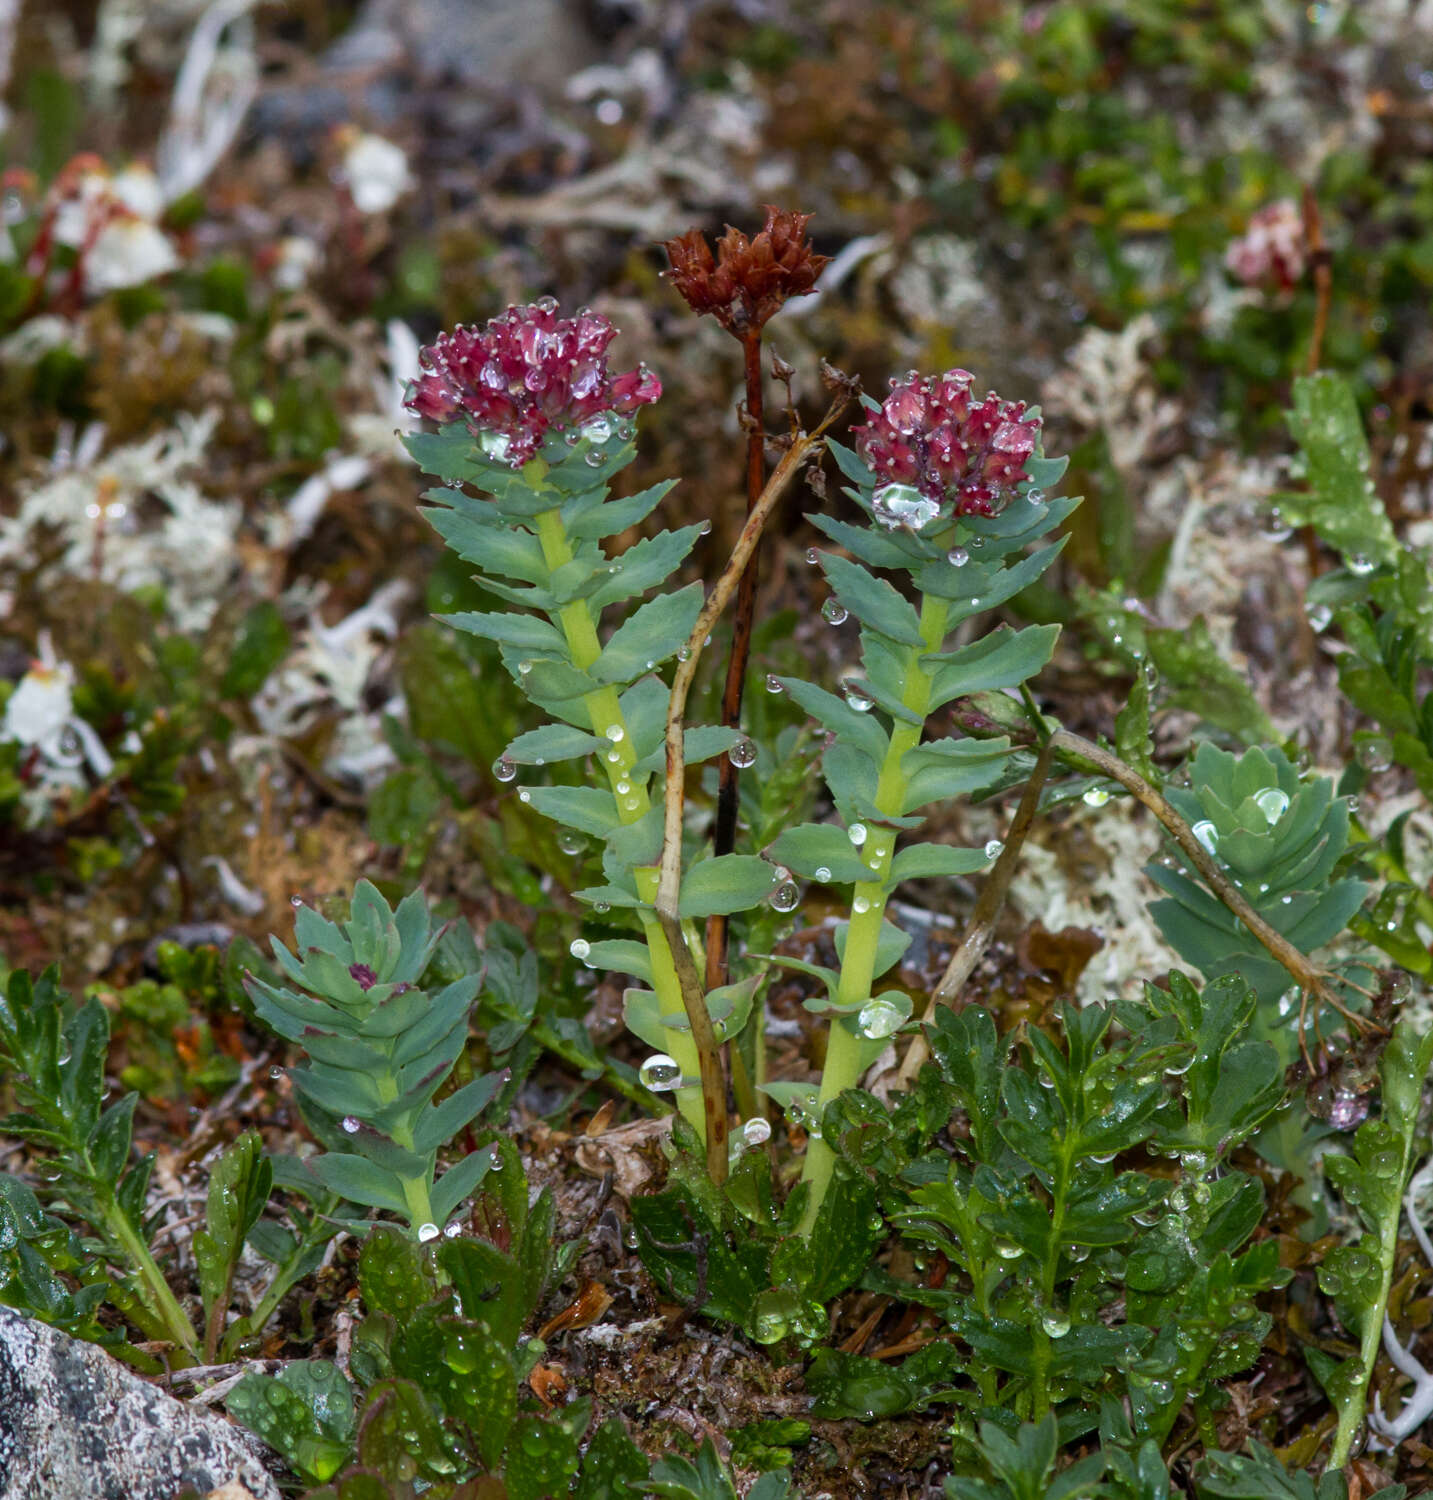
(844, 1050)
(632, 794)
(416, 1190)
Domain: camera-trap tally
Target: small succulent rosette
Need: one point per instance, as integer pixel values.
(379, 1048)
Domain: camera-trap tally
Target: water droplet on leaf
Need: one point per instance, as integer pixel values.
(1273, 802)
(660, 1073)
(786, 896)
(878, 1019)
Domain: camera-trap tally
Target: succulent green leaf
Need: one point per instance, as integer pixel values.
(654, 632)
(725, 883)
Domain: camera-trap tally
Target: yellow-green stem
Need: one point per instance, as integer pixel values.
(415, 1189)
(868, 903)
(633, 798)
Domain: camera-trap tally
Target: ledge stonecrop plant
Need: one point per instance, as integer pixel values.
(379, 1048)
(953, 489)
(552, 428)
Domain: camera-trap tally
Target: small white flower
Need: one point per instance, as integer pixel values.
(84, 196)
(295, 263)
(41, 706)
(375, 171)
(127, 252)
(138, 189)
(40, 715)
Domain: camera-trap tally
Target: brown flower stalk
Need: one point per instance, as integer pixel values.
(742, 285)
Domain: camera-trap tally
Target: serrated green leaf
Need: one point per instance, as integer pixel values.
(655, 631)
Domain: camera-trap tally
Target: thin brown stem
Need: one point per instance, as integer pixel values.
(803, 445)
(1306, 974)
(1321, 261)
(709, 1061)
(729, 792)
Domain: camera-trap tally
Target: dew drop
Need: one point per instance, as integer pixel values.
(857, 834)
(1056, 1322)
(1320, 617)
(570, 842)
(957, 557)
(660, 1073)
(1273, 802)
(350, 1124)
(822, 873)
(1097, 796)
(524, 795)
(1374, 754)
(1346, 1111)
(903, 506)
(504, 769)
(1275, 527)
(1207, 834)
(756, 1131)
(579, 948)
(1008, 1250)
(860, 906)
(812, 556)
(743, 754)
(428, 1232)
(773, 684)
(858, 699)
(878, 1019)
(834, 612)
(994, 848)
(786, 896)
(615, 733)
(1360, 564)
(593, 458)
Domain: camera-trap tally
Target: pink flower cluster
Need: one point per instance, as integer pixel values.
(528, 372)
(964, 456)
(1272, 249)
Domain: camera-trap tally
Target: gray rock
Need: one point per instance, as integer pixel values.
(75, 1424)
(500, 44)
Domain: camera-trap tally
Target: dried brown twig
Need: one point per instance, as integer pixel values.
(803, 446)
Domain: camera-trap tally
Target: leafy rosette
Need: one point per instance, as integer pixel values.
(379, 1048)
(1279, 838)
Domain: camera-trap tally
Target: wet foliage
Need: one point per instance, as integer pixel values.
(981, 1043)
